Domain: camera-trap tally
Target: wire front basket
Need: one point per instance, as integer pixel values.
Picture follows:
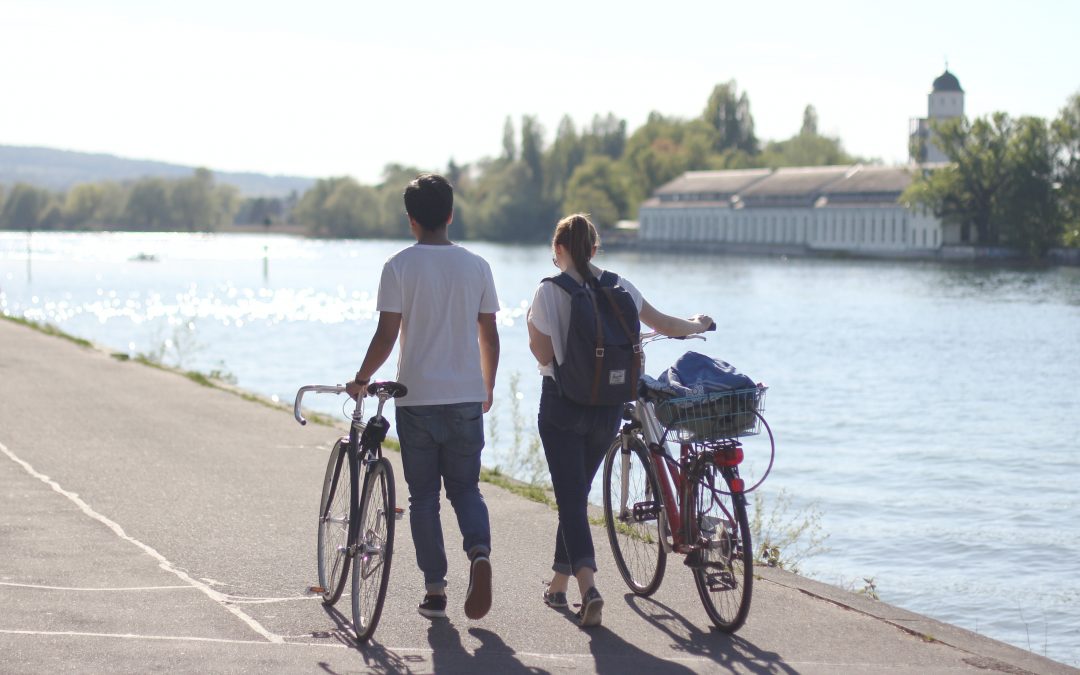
(712, 417)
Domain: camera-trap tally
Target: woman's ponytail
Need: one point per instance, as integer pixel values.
(579, 237)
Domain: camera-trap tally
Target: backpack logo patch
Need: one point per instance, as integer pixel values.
(617, 377)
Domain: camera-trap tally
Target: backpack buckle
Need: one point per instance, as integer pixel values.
(599, 352)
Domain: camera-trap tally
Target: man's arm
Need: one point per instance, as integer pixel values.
(489, 354)
(382, 343)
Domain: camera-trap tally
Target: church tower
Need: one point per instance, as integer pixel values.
(945, 101)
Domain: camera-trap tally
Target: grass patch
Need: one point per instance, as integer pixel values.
(532, 492)
(48, 329)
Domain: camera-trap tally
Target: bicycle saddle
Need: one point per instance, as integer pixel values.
(390, 389)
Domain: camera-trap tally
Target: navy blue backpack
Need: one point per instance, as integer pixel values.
(602, 362)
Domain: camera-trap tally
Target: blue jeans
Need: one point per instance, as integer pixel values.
(441, 444)
(575, 439)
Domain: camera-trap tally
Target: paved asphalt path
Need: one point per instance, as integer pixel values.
(150, 524)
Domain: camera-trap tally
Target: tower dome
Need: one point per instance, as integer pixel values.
(947, 82)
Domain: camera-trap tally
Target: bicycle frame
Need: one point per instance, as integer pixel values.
(671, 473)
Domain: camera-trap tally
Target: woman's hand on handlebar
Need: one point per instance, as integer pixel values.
(705, 322)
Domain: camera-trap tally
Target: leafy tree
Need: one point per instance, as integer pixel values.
(339, 207)
(809, 122)
(1030, 214)
(606, 136)
(192, 201)
(1066, 138)
(24, 207)
(509, 143)
(999, 185)
(566, 154)
(603, 188)
(728, 112)
(147, 205)
(664, 148)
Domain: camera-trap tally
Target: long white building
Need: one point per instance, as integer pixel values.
(852, 209)
(843, 209)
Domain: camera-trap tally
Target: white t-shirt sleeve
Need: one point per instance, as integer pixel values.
(633, 291)
(539, 313)
(489, 302)
(390, 295)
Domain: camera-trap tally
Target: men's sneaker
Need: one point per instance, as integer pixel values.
(478, 599)
(433, 606)
(592, 606)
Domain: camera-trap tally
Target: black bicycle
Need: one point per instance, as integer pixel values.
(357, 515)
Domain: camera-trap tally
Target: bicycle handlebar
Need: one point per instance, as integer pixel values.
(318, 389)
(382, 390)
(654, 334)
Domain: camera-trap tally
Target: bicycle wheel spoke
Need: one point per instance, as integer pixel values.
(333, 542)
(371, 570)
(634, 517)
(723, 570)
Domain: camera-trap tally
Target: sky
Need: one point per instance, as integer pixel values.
(328, 88)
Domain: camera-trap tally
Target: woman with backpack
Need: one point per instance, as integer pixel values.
(580, 408)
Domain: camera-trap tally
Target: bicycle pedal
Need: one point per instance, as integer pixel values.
(316, 590)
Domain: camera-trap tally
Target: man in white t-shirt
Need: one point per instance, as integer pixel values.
(440, 298)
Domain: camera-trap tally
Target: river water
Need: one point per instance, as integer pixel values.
(927, 414)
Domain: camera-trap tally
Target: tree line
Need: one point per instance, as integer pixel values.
(598, 168)
(195, 203)
(1010, 182)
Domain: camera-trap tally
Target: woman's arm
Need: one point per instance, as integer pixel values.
(540, 345)
(670, 325)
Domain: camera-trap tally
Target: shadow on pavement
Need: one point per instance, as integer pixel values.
(492, 656)
(376, 657)
(722, 648)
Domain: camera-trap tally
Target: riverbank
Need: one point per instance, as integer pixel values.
(187, 586)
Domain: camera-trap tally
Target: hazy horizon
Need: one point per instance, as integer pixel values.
(338, 89)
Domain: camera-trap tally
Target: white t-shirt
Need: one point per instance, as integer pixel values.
(439, 291)
(550, 314)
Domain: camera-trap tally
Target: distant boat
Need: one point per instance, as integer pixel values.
(143, 257)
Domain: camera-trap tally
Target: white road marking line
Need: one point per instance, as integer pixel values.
(239, 599)
(71, 588)
(175, 638)
(163, 563)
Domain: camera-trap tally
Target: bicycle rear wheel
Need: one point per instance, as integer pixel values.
(634, 515)
(715, 521)
(334, 524)
(374, 548)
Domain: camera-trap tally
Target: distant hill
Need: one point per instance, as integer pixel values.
(60, 169)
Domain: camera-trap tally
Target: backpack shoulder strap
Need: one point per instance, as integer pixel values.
(607, 278)
(565, 282)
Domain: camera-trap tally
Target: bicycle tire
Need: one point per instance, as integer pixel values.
(723, 570)
(374, 549)
(636, 543)
(335, 525)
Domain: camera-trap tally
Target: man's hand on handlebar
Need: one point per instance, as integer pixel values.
(357, 387)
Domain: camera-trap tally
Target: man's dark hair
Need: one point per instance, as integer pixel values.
(429, 200)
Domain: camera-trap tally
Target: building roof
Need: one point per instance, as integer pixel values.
(871, 179)
(947, 82)
(723, 183)
(795, 182)
(785, 187)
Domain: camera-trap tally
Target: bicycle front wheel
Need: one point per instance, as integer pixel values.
(333, 543)
(634, 515)
(374, 548)
(715, 521)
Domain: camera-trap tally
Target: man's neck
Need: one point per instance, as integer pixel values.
(437, 238)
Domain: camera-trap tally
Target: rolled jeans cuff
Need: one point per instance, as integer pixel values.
(438, 587)
(563, 568)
